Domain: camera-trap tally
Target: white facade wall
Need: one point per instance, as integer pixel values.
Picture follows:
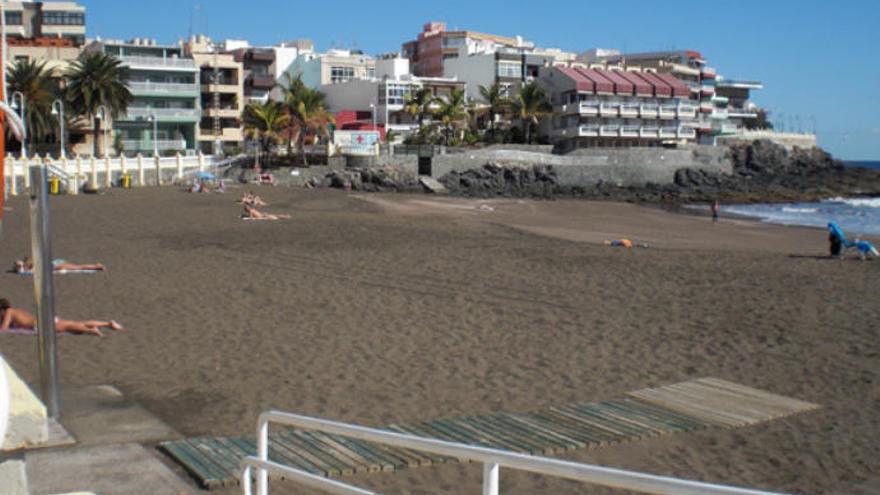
(284, 56)
(392, 68)
(351, 95)
(474, 70)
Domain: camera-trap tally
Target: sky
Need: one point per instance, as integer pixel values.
(818, 61)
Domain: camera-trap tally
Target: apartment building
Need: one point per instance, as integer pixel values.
(435, 45)
(737, 93)
(332, 67)
(607, 106)
(28, 19)
(222, 97)
(692, 68)
(265, 65)
(483, 64)
(166, 111)
(383, 99)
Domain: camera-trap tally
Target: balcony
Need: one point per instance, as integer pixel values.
(687, 133)
(260, 81)
(629, 110)
(741, 113)
(163, 114)
(589, 108)
(648, 111)
(159, 63)
(720, 114)
(724, 130)
(609, 130)
(706, 107)
(707, 90)
(145, 88)
(226, 134)
(588, 130)
(668, 132)
(630, 131)
(608, 109)
(231, 112)
(686, 111)
(649, 132)
(668, 111)
(148, 145)
(722, 100)
(709, 73)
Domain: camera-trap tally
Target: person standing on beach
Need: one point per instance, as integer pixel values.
(715, 208)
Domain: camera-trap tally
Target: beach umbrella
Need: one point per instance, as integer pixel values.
(206, 176)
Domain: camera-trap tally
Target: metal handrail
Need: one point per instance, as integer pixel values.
(492, 460)
(157, 87)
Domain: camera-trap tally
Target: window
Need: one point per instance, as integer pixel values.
(64, 19)
(509, 69)
(371, 72)
(341, 74)
(398, 94)
(452, 42)
(13, 18)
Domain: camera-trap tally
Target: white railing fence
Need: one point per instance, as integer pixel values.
(492, 460)
(75, 171)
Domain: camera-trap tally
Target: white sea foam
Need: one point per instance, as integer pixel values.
(792, 209)
(858, 202)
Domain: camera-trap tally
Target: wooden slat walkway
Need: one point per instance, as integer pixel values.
(688, 406)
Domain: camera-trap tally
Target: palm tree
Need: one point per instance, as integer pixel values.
(35, 83)
(292, 89)
(419, 104)
(311, 116)
(451, 111)
(531, 105)
(499, 104)
(264, 123)
(95, 80)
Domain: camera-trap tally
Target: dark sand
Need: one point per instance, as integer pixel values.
(391, 308)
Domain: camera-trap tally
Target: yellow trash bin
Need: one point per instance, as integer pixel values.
(126, 181)
(54, 185)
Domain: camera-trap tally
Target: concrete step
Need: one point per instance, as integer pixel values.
(433, 185)
(28, 424)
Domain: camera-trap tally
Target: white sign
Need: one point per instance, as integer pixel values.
(356, 142)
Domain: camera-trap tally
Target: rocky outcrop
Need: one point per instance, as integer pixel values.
(373, 180)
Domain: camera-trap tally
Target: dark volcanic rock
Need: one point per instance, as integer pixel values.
(373, 180)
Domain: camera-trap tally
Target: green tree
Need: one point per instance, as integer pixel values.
(451, 112)
(264, 123)
(418, 105)
(311, 117)
(35, 83)
(499, 104)
(760, 122)
(531, 105)
(292, 89)
(95, 80)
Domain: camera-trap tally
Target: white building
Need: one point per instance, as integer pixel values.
(331, 67)
(386, 94)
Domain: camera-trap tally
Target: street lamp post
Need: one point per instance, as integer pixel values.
(373, 110)
(102, 116)
(155, 132)
(21, 107)
(58, 110)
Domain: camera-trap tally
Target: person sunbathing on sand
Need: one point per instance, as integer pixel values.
(252, 213)
(26, 265)
(249, 198)
(624, 243)
(19, 318)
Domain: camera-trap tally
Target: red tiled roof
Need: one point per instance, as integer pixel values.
(679, 89)
(643, 87)
(621, 85)
(661, 88)
(582, 83)
(603, 85)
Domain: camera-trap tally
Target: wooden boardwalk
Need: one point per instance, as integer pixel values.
(688, 406)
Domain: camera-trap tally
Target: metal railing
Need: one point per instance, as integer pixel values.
(165, 88)
(493, 460)
(180, 63)
(160, 113)
(160, 144)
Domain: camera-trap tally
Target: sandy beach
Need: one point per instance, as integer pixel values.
(388, 308)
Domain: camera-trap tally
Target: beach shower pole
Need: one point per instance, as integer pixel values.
(41, 253)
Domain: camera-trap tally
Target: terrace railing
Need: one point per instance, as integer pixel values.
(492, 459)
(74, 171)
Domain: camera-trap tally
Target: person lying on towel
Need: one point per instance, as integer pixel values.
(16, 318)
(251, 213)
(25, 265)
(624, 243)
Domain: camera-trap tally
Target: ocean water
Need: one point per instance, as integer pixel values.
(863, 164)
(854, 215)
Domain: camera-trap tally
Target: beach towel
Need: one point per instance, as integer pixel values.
(29, 273)
(19, 331)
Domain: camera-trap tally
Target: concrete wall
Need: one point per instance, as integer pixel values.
(621, 166)
(787, 139)
(474, 70)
